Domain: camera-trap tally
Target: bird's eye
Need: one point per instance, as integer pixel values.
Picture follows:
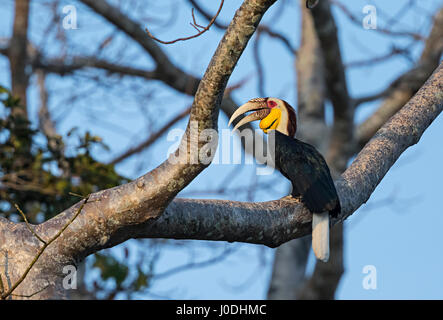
(272, 104)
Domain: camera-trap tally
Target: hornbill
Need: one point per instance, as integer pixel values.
(299, 162)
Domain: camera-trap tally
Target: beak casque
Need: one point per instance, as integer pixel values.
(257, 105)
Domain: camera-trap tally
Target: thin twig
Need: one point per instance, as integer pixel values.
(28, 225)
(152, 138)
(194, 24)
(42, 249)
(261, 27)
(357, 21)
(30, 295)
(195, 265)
(370, 62)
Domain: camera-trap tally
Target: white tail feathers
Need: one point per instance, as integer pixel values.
(320, 235)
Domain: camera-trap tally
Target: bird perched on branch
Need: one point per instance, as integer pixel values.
(299, 162)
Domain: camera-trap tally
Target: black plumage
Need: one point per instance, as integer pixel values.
(306, 168)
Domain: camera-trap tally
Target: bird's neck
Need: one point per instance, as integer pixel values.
(283, 131)
(283, 123)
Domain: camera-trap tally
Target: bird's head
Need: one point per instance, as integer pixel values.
(275, 114)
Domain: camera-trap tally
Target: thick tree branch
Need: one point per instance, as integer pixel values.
(63, 68)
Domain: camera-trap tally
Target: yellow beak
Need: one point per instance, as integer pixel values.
(272, 121)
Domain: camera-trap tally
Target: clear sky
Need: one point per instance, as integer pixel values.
(398, 231)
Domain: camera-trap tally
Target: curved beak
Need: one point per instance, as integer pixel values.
(257, 105)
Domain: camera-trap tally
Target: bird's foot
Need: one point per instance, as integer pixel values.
(291, 198)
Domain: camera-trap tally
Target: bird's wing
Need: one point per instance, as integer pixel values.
(306, 168)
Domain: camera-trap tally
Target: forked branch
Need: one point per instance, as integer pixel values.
(200, 29)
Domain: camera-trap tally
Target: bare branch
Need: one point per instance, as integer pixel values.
(357, 21)
(261, 28)
(28, 225)
(381, 58)
(194, 24)
(194, 265)
(152, 138)
(403, 88)
(340, 145)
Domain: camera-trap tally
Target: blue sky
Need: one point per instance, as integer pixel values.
(398, 230)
